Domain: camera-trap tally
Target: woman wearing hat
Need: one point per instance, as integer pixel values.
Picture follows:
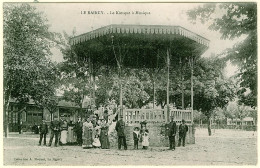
(87, 134)
(64, 132)
(104, 134)
(71, 135)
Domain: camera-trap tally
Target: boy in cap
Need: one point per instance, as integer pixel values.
(136, 137)
(183, 129)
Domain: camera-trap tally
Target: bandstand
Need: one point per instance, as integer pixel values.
(142, 46)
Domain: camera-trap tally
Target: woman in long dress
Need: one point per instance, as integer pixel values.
(87, 134)
(71, 135)
(64, 131)
(96, 134)
(104, 135)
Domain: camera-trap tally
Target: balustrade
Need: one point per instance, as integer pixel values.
(156, 115)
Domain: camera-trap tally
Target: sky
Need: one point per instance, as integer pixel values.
(69, 16)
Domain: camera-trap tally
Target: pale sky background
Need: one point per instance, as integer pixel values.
(67, 16)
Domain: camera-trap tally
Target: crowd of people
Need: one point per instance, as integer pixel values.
(94, 133)
(86, 133)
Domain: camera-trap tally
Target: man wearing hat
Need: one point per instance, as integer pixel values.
(183, 129)
(55, 130)
(120, 128)
(78, 131)
(43, 132)
(172, 133)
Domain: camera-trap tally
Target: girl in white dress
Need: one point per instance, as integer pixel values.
(145, 141)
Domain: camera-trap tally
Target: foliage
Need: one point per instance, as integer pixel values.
(28, 70)
(238, 20)
(138, 87)
(76, 83)
(211, 89)
(198, 116)
(134, 94)
(237, 111)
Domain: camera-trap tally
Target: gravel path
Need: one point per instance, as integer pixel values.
(224, 147)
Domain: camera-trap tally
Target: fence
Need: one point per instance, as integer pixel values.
(156, 115)
(223, 126)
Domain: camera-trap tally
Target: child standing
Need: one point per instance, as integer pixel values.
(136, 136)
(96, 142)
(145, 141)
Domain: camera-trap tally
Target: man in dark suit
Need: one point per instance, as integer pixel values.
(55, 131)
(183, 129)
(120, 128)
(78, 131)
(172, 133)
(43, 132)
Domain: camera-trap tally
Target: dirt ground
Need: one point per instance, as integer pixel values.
(224, 147)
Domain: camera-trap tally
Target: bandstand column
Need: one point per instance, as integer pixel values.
(121, 90)
(92, 83)
(191, 78)
(119, 64)
(121, 98)
(168, 84)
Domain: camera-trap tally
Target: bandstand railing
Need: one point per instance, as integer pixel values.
(156, 115)
(139, 115)
(181, 114)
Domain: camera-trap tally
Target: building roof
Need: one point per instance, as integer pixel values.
(62, 103)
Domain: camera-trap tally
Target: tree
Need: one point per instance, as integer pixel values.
(253, 114)
(211, 88)
(134, 94)
(238, 20)
(43, 91)
(74, 75)
(28, 70)
(76, 91)
(198, 117)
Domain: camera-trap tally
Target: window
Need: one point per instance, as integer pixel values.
(34, 114)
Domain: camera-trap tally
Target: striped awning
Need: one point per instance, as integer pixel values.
(139, 29)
